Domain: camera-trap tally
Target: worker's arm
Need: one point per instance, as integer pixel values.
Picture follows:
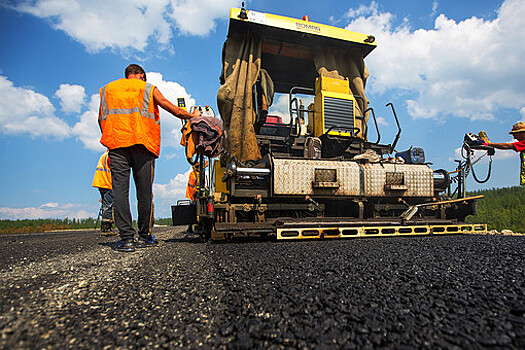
(170, 107)
(500, 145)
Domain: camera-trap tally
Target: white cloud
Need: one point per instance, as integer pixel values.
(23, 111)
(380, 121)
(166, 195)
(49, 205)
(363, 10)
(100, 24)
(170, 125)
(435, 6)
(71, 97)
(49, 210)
(499, 155)
(471, 68)
(87, 129)
(198, 17)
(175, 189)
(123, 24)
(280, 107)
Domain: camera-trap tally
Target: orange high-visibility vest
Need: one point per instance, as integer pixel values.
(102, 178)
(128, 115)
(192, 183)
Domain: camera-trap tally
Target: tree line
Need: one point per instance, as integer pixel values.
(42, 225)
(501, 208)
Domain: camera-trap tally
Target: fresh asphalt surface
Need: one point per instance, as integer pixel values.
(71, 290)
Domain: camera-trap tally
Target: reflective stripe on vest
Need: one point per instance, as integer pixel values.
(192, 183)
(143, 112)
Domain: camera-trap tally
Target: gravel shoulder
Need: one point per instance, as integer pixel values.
(72, 290)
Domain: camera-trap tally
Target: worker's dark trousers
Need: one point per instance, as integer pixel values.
(107, 204)
(142, 162)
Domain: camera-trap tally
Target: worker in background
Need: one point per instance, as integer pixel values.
(102, 181)
(193, 181)
(130, 124)
(518, 131)
(193, 185)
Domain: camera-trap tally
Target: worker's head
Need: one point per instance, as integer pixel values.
(518, 131)
(135, 71)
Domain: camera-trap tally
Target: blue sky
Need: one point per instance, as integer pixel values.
(449, 67)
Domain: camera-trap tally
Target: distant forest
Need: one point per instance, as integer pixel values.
(42, 225)
(501, 208)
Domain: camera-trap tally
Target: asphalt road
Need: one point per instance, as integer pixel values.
(71, 290)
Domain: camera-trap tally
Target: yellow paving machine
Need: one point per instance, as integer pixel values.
(319, 170)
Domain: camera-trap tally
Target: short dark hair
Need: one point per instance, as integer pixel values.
(134, 69)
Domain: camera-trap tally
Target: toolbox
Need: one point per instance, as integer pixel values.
(184, 213)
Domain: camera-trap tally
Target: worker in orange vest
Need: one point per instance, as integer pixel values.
(130, 124)
(193, 182)
(102, 181)
(193, 185)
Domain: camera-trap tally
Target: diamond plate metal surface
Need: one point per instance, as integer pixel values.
(419, 179)
(296, 177)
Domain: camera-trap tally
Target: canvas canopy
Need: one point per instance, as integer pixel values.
(286, 58)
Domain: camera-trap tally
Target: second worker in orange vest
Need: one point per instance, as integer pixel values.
(130, 125)
(102, 181)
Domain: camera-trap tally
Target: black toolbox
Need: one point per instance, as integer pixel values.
(184, 213)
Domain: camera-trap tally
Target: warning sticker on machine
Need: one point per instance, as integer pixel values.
(257, 17)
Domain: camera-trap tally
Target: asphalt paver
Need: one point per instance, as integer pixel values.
(72, 290)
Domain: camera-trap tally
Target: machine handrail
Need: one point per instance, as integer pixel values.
(398, 128)
(375, 122)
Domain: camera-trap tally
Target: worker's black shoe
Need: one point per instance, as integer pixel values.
(126, 245)
(139, 243)
(129, 245)
(148, 241)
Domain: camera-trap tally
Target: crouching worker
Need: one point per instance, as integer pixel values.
(102, 181)
(518, 131)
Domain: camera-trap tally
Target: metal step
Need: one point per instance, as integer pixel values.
(319, 228)
(347, 230)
